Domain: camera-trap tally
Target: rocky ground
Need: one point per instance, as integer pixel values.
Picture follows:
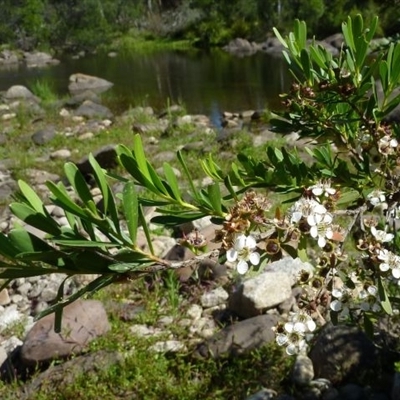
(226, 318)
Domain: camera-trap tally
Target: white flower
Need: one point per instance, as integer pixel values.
(381, 236)
(370, 299)
(376, 197)
(320, 221)
(243, 252)
(302, 322)
(294, 340)
(342, 301)
(322, 188)
(302, 208)
(390, 261)
(387, 145)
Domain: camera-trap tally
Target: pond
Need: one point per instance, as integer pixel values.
(204, 82)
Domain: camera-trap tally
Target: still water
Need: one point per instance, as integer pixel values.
(205, 82)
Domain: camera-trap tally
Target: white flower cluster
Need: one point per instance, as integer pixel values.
(317, 217)
(296, 332)
(390, 261)
(243, 252)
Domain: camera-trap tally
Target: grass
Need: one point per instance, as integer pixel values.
(147, 375)
(144, 374)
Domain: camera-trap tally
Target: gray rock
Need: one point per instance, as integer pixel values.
(214, 297)
(61, 154)
(80, 82)
(260, 293)
(19, 92)
(240, 337)
(82, 321)
(66, 373)
(292, 267)
(81, 97)
(106, 156)
(264, 394)
(89, 109)
(303, 371)
(241, 47)
(4, 297)
(343, 353)
(8, 57)
(44, 135)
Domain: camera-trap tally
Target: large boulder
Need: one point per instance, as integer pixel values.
(82, 321)
(89, 109)
(80, 82)
(241, 47)
(20, 92)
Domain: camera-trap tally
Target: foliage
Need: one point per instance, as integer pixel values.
(86, 24)
(347, 193)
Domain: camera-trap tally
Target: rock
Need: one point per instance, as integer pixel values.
(39, 59)
(62, 154)
(106, 156)
(8, 57)
(20, 92)
(82, 321)
(260, 293)
(343, 353)
(81, 82)
(214, 297)
(303, 371)
(89, 109)
(66, 373)
(168, 346)
(336, 40)
(264, 394)
(240, 337)
(44, 135)
(241, 47)
(82, 96)
(9, 316)
(292, 267)
(4, 297)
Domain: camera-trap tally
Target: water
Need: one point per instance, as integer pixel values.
(205, 82)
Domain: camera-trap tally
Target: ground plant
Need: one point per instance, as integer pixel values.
(337, 208)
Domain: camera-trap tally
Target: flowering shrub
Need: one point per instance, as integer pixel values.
(341, 209)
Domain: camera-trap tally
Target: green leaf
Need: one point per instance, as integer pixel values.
(35, 219)
(214, 194)
(31, 196)
(78, 182)
(24, 241)
(385, 302)
(348, 197)
(172, 181)
(62, 199)
(187, 173)
(130, 205)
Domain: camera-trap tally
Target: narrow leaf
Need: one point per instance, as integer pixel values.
(130, 206)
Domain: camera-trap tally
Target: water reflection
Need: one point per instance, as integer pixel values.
(206, 82)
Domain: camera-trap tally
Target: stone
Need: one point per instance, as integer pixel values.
(343, 353)
(264, 394)
(19, 92)
(9, 317)
(82, 321)
(43, 136)
(168, 346)
(81, 82)
(214, 297)
(66, 373)
(90, 109)
(303, 371)
(62, 154)
(4, 297)
(240, 337)
(106, 156)
(290, 266)
(262, 292)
